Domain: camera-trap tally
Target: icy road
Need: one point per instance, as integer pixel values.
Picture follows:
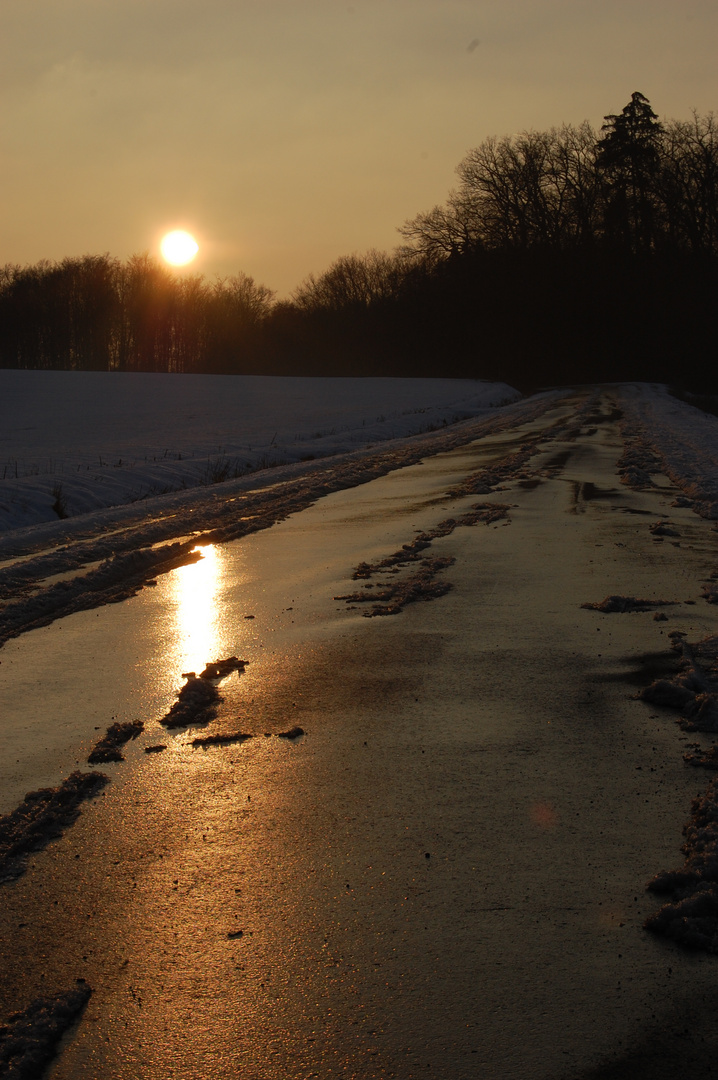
(442, 871)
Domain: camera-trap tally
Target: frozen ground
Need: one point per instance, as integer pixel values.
(72, 442)
(446, 874)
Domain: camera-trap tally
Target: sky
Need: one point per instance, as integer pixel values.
(286, 133)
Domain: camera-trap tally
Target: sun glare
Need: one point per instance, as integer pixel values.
(179, 247)
(196, 632)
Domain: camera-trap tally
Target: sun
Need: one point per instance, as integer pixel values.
(179, 247)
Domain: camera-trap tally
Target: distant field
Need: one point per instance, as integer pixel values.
(72, 442)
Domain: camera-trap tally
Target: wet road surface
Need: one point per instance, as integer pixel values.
(445, 875)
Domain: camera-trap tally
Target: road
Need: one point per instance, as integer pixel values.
(445, 875)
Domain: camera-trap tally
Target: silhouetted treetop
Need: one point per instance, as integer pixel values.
(637, 185)
(629, 156)
(632, 138)
(689, 183)
(352, 280)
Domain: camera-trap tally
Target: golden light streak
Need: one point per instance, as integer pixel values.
(197, 629)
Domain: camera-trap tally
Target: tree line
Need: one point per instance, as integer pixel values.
(638, 186)
(96, 313)
(563, 255)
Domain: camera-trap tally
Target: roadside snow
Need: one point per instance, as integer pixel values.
(684, 438)
(74, 442)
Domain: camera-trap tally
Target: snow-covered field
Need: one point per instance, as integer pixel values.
(73, 442)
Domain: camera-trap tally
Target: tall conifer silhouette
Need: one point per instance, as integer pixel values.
(629, 156)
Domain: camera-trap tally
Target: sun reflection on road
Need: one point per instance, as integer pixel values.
(196, 588)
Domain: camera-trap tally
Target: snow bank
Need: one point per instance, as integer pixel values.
(680, 440)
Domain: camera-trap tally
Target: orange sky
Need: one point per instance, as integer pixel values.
(284, 133)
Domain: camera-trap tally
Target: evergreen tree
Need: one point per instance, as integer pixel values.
(629, 156)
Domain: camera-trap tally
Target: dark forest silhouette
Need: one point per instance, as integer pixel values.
(562, 256)
(97, 314)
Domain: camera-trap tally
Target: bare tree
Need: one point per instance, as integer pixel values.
(689, 183)
(352, 281)
(535, 188)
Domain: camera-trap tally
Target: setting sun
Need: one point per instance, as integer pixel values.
(179, 247)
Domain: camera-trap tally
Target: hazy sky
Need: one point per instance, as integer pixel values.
(284, 133)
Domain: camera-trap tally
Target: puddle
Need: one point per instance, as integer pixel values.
(67, 575)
